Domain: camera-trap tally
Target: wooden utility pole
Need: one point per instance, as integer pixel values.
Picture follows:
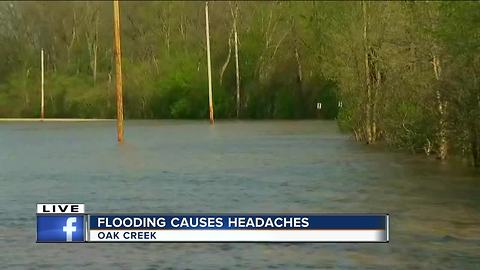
(42, 101)
(209, 65)
(237, 71)
(118, 71)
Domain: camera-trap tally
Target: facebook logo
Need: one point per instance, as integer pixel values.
(60, 228)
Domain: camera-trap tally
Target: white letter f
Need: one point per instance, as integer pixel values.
(69, 229)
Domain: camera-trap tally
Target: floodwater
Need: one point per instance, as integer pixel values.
(235, 166)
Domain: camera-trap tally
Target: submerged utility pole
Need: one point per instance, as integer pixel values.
(209, 65)
(42, 101)
(118, 70)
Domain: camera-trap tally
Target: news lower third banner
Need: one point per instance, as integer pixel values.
(70, 223)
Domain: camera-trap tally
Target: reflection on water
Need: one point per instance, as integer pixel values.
(244, 166)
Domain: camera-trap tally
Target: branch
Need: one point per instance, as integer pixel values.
(224, 67)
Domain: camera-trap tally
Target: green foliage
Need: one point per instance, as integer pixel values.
(409, 126)
(292, 55)
(329, 99)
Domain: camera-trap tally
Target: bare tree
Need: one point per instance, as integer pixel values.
(237, 69)
(368, 117)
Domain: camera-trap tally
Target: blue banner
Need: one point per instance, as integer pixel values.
(238, 222)
(59, 228)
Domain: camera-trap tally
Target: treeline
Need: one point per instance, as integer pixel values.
(406, 73)
(164, 60)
